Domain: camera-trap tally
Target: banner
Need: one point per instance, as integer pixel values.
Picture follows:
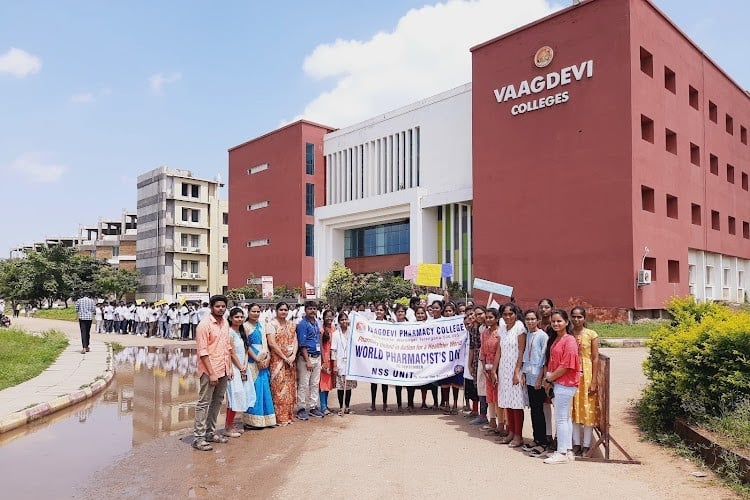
(266, 286)
(309, 291)
(409, 353)
(492, 287)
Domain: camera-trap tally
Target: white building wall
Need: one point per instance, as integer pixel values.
(408, 162)
(713, 276)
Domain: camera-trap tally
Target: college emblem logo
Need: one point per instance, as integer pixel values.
(543, 56)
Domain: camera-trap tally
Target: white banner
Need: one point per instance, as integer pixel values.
(407, 353)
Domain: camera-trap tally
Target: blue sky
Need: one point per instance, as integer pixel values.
(96, 93)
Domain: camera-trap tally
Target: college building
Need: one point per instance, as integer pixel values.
(598, 156)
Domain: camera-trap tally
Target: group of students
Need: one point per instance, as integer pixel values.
(539, 358)
(173, 321)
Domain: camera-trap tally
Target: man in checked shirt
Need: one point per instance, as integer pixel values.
(86, 308)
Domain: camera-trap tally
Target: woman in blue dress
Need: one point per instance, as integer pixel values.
(262, 413)
(240, 389)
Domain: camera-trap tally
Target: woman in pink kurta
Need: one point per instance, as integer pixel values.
(326, 372)
(490, 341)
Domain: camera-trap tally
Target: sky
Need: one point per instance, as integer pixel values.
(93, 94)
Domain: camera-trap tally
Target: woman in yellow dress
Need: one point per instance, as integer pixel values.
(585, 411)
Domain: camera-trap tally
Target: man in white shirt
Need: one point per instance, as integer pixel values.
(109, 317)
(174, 321)
(184, 322)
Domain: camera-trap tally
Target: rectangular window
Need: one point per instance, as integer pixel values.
(672, 206)
(743, 135)
(647, 62)
(225, 218)
(184, 265)
(670, 81)
(694, 97)
(695, 213)
(647, 199)
(258, 243)
(185, 189)
(224, 267)
(183, 288)
(746, 230)
(257, 169)
(195, 191)
(185, 214)
(730, 174)
(184, 240)
(193, 288)
(673, 271)
(732, 223)
(647, 129)
(383, 239)
(713, 112)
(715, 220)
(194, 266)
(309, 199)
(115, 251)
(729, 124)
(650, 264)
(225, 240)
(257, 206)
(713, 162)
(671, 141)
(309, 158)
(195, 241)
(309, 240)
(744, 181)
(695, 155)
(195, 215)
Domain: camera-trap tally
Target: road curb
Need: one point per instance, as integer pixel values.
(23, 417)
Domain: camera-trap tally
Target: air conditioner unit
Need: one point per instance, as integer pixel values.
(184, 249)
(185, 274)
(644, 277)
(195, 275)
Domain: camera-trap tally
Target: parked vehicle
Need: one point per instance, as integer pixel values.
(4, 320)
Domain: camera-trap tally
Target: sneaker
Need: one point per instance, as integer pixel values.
(327, 412)
(316, 413)
(571, 456)
(480, 420)
(557, 458)
(302, 415)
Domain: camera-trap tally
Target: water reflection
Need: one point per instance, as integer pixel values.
(158, 386)
(153, 394)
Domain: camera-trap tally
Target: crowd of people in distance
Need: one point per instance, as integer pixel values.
(276, 370)
(169, 321)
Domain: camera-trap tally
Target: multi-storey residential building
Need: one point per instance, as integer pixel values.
(111, 239)
(182, 235)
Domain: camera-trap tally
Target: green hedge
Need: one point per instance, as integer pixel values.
(699, 365)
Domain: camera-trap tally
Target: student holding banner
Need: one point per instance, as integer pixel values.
(380, 315)
(339, 357)
(420, 312)
(456, 381)
(400, 312)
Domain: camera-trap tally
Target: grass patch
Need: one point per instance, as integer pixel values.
(26, 356)
(623, 330)
(68, 314)
(117, 347)
(733, 426)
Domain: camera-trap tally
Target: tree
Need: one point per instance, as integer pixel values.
(247, 291)
(339, 285)
(115, 281)
(15, 280)
(84, 271)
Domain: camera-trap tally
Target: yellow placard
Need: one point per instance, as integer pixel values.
(429, 274)
(140, 301)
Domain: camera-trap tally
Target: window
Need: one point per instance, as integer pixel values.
(732, 223)
(258, 243)
(730, 174)
(713, 161)
(195, 215)
(193, 288)
(746, 230)
(184, 240)
(647, 62)
(195, 240)
(183, 288)
(715, 220)
(184, 265)
(695, 155)
(309, 158)
(713, 112)
(309, 240)
(729, 124)
(671, 141)
(194, 266)
(116, 251)
(671, 206)
(185, 214)
(191, 215)
(257, 169)
(225, 240)
(383, 239)
(693, 97)
(309, 199)
(744, 181)
(647, 199)
(670, 82)
(191, 190)
(647, 129)
(673, 271)
(743, 135)
(695, 213)
(225, 218)
(185, 189)
(257, 206)
(650, 264)
(224, 267)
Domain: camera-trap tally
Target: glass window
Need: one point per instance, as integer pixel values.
(309, 199)
(185, 214)
(195, 191)
(309, 240)
(384, 239)
(195, 240)
(185, 188)
(194, 266)
(309, 158)
(184, 240)
(195, 215)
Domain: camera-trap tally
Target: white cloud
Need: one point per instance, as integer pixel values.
(158, 80)
(426, 53)
(89, 97)
(37, 167)
(19, 63)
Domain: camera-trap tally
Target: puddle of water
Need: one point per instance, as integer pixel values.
(153, 394)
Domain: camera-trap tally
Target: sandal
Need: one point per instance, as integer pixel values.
(372, 408)
(515, 444)
(202, 445)
(232, 434)
(216, 438)
(505, 440)
(537, 451)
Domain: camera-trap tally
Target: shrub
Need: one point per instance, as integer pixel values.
(699, 366)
